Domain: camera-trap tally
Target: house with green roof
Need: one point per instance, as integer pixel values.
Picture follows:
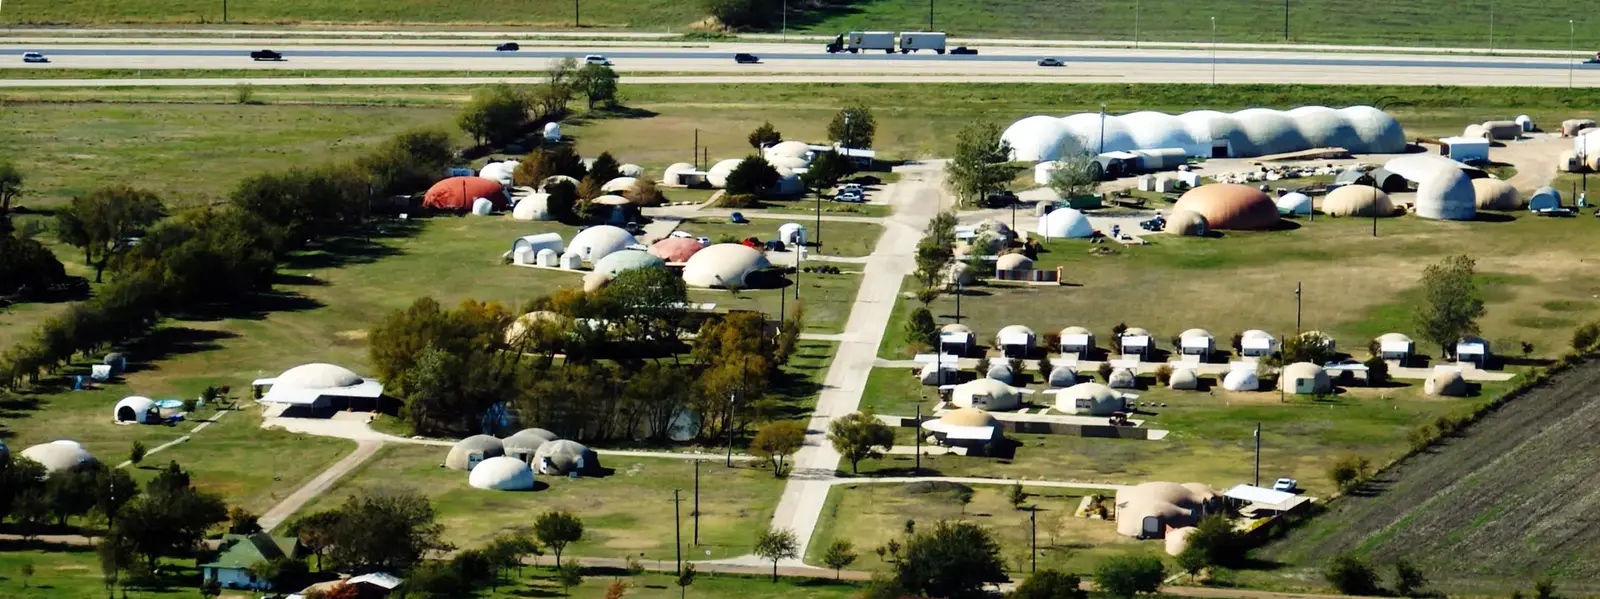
(237, 553)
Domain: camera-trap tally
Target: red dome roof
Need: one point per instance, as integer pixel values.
(457, 193)
(675, 249)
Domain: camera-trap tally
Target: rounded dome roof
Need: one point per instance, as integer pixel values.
(1063, 376)
(519, 327)
(1229, 206)
(527, 440)
(1183, 378)
(1186, 222)
(457, 193)
(140, 408)
(596, 281)
(619, 184)
(1494, 194)
(786, 163)
(501, 474)
(1015, 329)
(1241, 380)
(483, 445)
(955, 328)
(1357, 200)
(1038, 138)
(722, 265)
(611, 200)
(717, 175)
(1185, 497)
(1446, 382)
(599, 241)
(1101, 400)
(630, 170)
(617, 262)
(675, 249)
(1122, 378)
(1447, 194)
(1305, 371)
(1014, 262)
(791, 148)
(319, 376)
(58, 456)
(564, 456)
(1067, 223)
(677, 168)
(553, 179)
(1197, 333)
(968, 417)
(1394, 338)
(1257, 333)
(986, 393)
(1294, 203)
(1135, 332)
(1076, 330)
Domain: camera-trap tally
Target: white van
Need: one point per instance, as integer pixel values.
(598, 59)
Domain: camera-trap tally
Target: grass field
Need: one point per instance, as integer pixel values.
(869, 515)
(626, 513)
(846, 239)
(1518, 23)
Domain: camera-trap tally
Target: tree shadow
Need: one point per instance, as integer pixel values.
(1493, 217)
(342, 251)
(167, 342)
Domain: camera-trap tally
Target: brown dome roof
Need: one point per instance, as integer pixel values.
(1494, 194)
(675, 249)
(1228, 206)
(457, 193)
(1357, 200)
(1184, 222)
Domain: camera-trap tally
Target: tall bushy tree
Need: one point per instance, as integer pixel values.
(551, 96)
(408, 162)
(936, 249)
(201, 257)
(954, 559)
(1074, 175)
(777, 441)
(544, 163)
(1451, 303)
(853, 126)
(826, 169)
(27, 265)
(169, 519)
(388, 530)
(921, 331)
(301, 205)
(10, 187)
(495, 114)
(598, 83)
(776, 546)
(444, 363)
(605, 168)
(743, 15)
(764, 136)
(752, 176)
(104, 222)
(1129, 575)
(981, 164)
(859, 436)
(558, 529)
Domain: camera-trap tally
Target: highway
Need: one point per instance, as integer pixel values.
(644, 60)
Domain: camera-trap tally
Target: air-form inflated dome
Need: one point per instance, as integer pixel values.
(534, 206)
(1015, 330)
(1304, 378)
(1443, 189)
(1001, 371)
(1228, 206)
(1183, 379)
(1544, 198)
(722, 265)
(985, 393)
(136, 409)
(616, 263)
(1357, 200)
(1494, 194)
(1093, 399)
(1187, 222)
(499, 172)
(675, 249)
(525, 442)
(555, 179)
(1063, 376)
(1065, 222)
(674, 173)
(1446, 382)
(600, 241)
(552, 132)
(563, 457)
(457, 193)
(1241, 380)
(58, 456)
(1247, 133)
(319, 376)
(630, 170)
(520, 326)
(597, 280)
(969, 417)
(1013, 262)
(1170, 505)
(1394, 338)
(1122, 378)
(619, 185)
(501, 474)
(717, 175)
(1294, 203)
(792, 149)
(462, 454)
(964, 418)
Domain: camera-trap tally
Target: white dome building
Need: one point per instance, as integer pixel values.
(59, 456)
(674, 174)
(965, 427)
(1305, 378)
(523, 444)
(316, 385)
(1246, 133)
(1443, 190)
(630, 170)
(1183, 379)
(501, 474)
(1294, 203)
(136, 409)
(1241, 380)
(563, 457)
(722, 265)
(472, 450)
(619, 185)
(552, 132)
(986, 393)
(599, 241)
(788, 149)
(1065, 223)
(534, 206)
(1093, 399)
(1013, 262)
(616, 263)
(717, 175)
(499, 172)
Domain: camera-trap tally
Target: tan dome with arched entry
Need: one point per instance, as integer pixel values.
(1229, 206)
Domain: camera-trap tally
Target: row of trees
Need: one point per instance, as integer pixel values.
(501, 113)
(27, 267)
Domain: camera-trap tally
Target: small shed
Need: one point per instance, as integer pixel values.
(136, 409)
(571, 261)
(1241, 379)
(1446, 381)
(1063, 376)
(1161, 159)
(1294, 203)
(535, 244)
(1136, 342)
(1001, 371)
(956, 340)
(1305, 378)
(1183, 379)
(1505, 130)
(1015, 341)
(1122, 378)
(1077, 341)
(1473, 350)
(482, 207)
(1465, 149)
(1396, 347)
(1545, 198)
(935, 374)
(792, 234)
(547, 258)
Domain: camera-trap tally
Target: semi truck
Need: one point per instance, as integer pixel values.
(857, 41)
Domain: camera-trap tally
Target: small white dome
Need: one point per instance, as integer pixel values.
(986, 393)
(1241, 380)
(501, 474)
(599, 241)
(619, 185)
(136, 409)
(319, 376)
(631, 170)
(1294, 203)
(1066, 223)
(1093, 399)
(58, 456)
(722, 265)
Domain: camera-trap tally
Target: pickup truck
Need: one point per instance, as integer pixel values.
(265, 55)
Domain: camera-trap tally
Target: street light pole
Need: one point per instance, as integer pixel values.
(786, 20)
(940, 365)
(1213, 50)
(1033, 538)
(697, 503)
(1286, 20)
(576, 22)
(1258, 454)
(1491, 26)
(732, 401)
(930, 15)
(1135, 24)
(1572, 34)
(1297, 307)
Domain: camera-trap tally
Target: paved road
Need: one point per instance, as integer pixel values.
(969, 480)
(277, 514)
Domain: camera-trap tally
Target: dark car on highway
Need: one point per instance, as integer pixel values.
(743, 58)
(1051, 62)
(265, 55)
(963, 50)
(507, 47)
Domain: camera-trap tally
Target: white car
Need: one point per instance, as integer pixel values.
(1287, 485)
(682, 234)
(34, 57)
(598, 59)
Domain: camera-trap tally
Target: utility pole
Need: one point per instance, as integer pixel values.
(696, 154)
(1374, 208)
(697, 503)
(575, 20)
(958, 298)
(1491, 26)
(1258, 454)
(930, 15)
(940, 365)
(1286, 20)
(677, 531)
(786, 20)
(1136, 24)
(1213, 51)
(732, 402)
(1033, 538)
(1572, 34)
(224, 11)
(1296, 307)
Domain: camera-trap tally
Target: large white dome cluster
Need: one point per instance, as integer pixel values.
(1247, 133)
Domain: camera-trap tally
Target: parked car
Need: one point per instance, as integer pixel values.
(846, 196)
(598, 59)
(682, 234)
(854, 188)
(34, 57)
(1287, 485)
(508, 47)
(1051, 62)
(265, 55)
(743, 58)
(963, 50)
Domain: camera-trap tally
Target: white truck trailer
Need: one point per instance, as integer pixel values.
(912, 41)
(856, 41)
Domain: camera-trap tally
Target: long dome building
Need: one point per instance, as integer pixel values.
(1208, 133)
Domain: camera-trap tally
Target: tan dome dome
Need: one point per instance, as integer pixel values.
(483, 446)
(1183, 378)
(1494, 194)
(1316, 380)
(1228, 206)
(956, 328)
(1075, 330)
(1446, 382)
(1013, 262)
(968, 417)
(1093, 399)
(1187, 222)
(319, 376)
(1357, 200)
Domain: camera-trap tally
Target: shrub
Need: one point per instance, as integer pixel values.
(738, 200)
(752, 176)
(1586, 335)
(1422, 437)
(1126, 576)
(1105, 371)
(1349, 471)
(1377, 371)
(1351, 575)
(1163, 374)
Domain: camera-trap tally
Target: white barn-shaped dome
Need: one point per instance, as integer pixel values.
(600, 241)
(722, 265)
(501, 474)
(1294, 203)
(1065, 223)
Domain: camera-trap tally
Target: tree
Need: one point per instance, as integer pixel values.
(778, 440)
(853, 127)
(105, 222)
(954, 559)
(73, 492)
(825, 171)
(685, 578)
(920, 329)
(605, 168)
(752, 176)
(743, 14)
(408, 162)
(617, 589)
(589, 188)
(136, 453)
(598, 83)
(1016, 495)
(1409, 581)
(242, 522)
(211, 588)
(1351, 575)
(298, 205)
(858, 436)
(1074, 175)
(764, 136)
(495, 114)
(10, 188)
(981, 164)
(936, 249)
(1126, 576)
(1050, 584)
(570, 574)
(544, 163)
(645, 193)
(1543, 588)
(557, 529)
(113, 490)
(510, 548)
(26, 266)
(1451, 304)
(550, 97)
(1377, 371)
(1192, 560)
(390, 530)
(1217, 542)
(1311, 346)
(27, 572)
(563, 201)
(168, 520)
(316, 532)
(1585, 336)
(1349, 471)
(777, 545)
(839, 555)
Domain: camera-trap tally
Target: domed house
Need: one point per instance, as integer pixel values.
(456, 194)
(1067, 223)
(675, 174)
(970, 428)
(319, 386)
(1241, 380)
(1230, 207)
(1444, 191)
(616, 263)
(1572, 127)
(136, 409)
(1294, 203)
(1001, 371)
(676, 250)
(934, 374)
(595, 281)
(1305, 378)
(1136, 341)
(723, 265)
(1178, 540)
(619, 185)
(1494, 194)
(1122, 378)
(986, 393)
(1077, 340)
(468, 452)
(792, 233)
(630, 170)
(563, 457)
(499, 172)
(533, 206)
(1257, 343)
(1446, 382)
(1149, 510)
(600, 241)
(789, 149)
(59, 456)
(789, 184)
(1063, 376)
(1183, 379)
(520, 327)
(1197, 342)
(1011, 262)
(501, 474)
(558, 180)
(1186, 222)
(1396, 346)
(1357, 200)
(522, 444)
(1544, 198)
(1092, 399)
(1015, 341)
(957, 339)
(717, 175)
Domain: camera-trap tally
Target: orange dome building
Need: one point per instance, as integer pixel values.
(1228, 206)
(457, 193)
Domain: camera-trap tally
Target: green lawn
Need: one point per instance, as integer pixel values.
(846, 239)
(663, 585)
(626, 513)
(75, 572)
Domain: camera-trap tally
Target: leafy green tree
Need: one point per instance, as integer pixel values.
(570, 574)
(1050, 584)
(1409, 581)
(648, 305)
(589, 188)
(685, 578)
(777, 545)
(10, 188)
(1218, 542)
(764, 136)
(316, 532)
(18, 477)
(1585, 336)
(544, 163)
(444, 363)
(1126, 576)
(557, 529)
(1015, 494)
(563, 201)
(936, 249)
(408, 162)
(920, 329)
(301, 204)
(113, 490)
(1351, 575)
(105, 222)
(859, 436)
(136, 453)
(495, 114)
(605, 168)
(1451, 303)
(826, 170)
(72, 493)
(1074, 175)
(744, 15)
(1192, 560)
(550, 98)
(1349, 471)
(778, 440)
(598, 83)
(390, 530)
(853, 127)
(242, 522)
(839, 555)
(752, 176)
(954, 559)
(211, 588)
(981, 164)
(169, 519)
(26, 266)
